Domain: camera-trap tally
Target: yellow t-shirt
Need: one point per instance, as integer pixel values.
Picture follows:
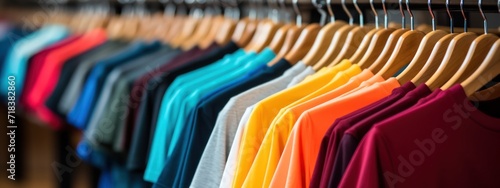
(269, 154)
(265, 111)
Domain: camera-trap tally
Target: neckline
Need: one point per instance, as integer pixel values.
(484, 120)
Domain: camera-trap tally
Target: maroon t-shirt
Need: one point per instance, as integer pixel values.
(140, 84)
(328, 148)
(446, 142)
(353, 133)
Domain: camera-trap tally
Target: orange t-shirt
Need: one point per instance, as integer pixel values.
(269, 154)
(297, 162)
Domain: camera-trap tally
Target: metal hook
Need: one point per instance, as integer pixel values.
(374, 13)
(386, 18)
(403, 17)
(298, 18)
(412, 19)
(283, 12)
(361, 16)
(351, 20)
(463, 14)
(449, 14)
(319, 8)
(330, 11)
(485, 22)
(429, 3)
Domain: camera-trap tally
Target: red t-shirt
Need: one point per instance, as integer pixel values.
(446, 142)
(46, 81)
(36, 63)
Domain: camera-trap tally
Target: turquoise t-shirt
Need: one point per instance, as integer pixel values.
(179, 100)
(17, 59)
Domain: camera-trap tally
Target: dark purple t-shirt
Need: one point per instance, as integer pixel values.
(320, 178)
(347, 146)
(446, 142)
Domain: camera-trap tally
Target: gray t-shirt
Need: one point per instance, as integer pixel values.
(72, 92)
(102, 126)
(301, 76)
(213, 161)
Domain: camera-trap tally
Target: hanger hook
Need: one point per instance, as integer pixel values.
(351, 20)
(449, 15)
(403, 17)
(463, 14)
(375, 14)
(319, 8)
(386, 18)
(429, 5)
(485, 22)
(298, 18)
(330, 11)
(284, 11)
(412, 19)
(361, 16)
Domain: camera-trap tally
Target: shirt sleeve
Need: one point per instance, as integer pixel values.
(368, 162)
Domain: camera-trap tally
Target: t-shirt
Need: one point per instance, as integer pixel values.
(213, 161)
(16, 62)
(269, 154)
(105, 119)
(10, 35)
(166, 134)
(49, 74)
(138, 89)
(446, 142)
(273, 143)
(335, 133)
(77, 80)
(201, 125)
(265, 111)
(70, 68)
(37, 62)
(301, 76)
(296, 165)
(155, 90)
(80, 113)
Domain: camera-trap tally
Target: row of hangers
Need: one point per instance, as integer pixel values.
(435, 57)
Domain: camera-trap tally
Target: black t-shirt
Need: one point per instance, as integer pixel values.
(151, 100)
(69, 68)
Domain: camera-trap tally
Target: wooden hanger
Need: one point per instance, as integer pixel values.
(386, 53)
(352, 44)
(457, 50)
(217, 22)
(265, 34)
(404, 51)
(420, 58)
(334, 47)
(354, 38)
(189, 26)
(279, 38)
(395, 48)
(434, 60)
(324, 38)
(204, 25)
(489, 69)
(243, 32)
(176, 28)
(303, 44)
(291, 37)
(363, 47)
(224, 34)
(476, 54)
